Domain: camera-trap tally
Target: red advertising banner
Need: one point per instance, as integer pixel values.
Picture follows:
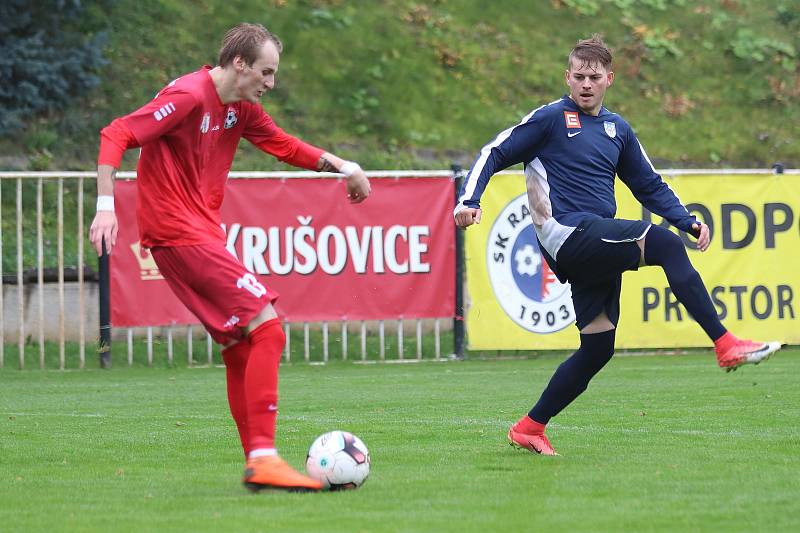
(390, 256)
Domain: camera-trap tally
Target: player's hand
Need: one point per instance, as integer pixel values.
(358, 187)
(468, 216)
(103, 226)
(703, 236)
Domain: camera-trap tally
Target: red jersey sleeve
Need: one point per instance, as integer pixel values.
(159, 116)
(114, 140)
(262, 131)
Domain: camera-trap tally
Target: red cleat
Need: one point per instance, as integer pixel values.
(733, 352)
(535, 443)
(272, 472)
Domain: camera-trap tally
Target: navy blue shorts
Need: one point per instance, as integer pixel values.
(593, 259)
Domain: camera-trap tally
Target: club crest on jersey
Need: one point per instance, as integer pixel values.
(611, 128)
(230, 119)
(205, 123)
(572, 119)
(525, 287)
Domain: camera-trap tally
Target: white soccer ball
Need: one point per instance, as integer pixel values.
(339, 460)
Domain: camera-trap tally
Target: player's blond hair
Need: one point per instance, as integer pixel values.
(590, 51)
(245, 40)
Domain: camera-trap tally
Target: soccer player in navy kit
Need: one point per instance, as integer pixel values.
(572, 149)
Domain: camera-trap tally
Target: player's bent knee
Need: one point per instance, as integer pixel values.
(666, 238)
(660, 245)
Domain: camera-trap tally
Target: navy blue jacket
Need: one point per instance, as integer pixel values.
(571, 160)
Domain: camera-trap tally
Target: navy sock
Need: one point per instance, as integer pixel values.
(573, 375)
(664, 248)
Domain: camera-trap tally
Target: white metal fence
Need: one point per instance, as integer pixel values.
(33, 316)
(69, 313)
(42, 180)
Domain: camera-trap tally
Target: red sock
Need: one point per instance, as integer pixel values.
(235, 358)
(261, 383)
(529, 426)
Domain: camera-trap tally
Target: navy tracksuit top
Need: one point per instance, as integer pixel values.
(571, 160)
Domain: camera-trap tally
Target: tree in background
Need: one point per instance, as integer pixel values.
(50, 53)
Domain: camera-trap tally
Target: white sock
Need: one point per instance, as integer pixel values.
(262, 452)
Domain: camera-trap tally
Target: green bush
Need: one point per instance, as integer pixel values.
(52, 52)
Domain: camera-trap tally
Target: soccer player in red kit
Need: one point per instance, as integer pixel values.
(188, 135)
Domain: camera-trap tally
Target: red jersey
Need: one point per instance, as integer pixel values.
(188, 139)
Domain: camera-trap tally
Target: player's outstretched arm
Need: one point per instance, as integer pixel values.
(104, 225)
(358, 187)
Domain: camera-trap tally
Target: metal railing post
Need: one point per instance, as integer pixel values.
(458, 316)
(105, 309)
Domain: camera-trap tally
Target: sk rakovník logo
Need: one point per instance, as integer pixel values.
(526, 288)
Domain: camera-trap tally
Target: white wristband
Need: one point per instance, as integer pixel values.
(105, 203)
(349, 168)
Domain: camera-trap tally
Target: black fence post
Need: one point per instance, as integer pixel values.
(458, 317)
(105, 309)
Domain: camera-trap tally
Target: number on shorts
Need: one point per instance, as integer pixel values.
(251, 284)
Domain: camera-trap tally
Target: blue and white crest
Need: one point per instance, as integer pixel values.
(611, 128)
(525, 287)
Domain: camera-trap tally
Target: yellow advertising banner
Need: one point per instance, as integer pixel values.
(751, 269)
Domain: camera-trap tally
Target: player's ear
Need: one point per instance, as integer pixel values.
(610, 77)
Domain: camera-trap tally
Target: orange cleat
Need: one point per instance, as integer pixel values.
(737, 352)
(535, 443)
(272, 472)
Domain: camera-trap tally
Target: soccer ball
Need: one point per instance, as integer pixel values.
(339, 460)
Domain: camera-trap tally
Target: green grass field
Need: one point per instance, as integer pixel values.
(657, 443)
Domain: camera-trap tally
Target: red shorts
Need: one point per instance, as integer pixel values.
(215, 286)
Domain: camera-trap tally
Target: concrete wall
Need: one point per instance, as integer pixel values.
(72, 313)
(30, 300)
